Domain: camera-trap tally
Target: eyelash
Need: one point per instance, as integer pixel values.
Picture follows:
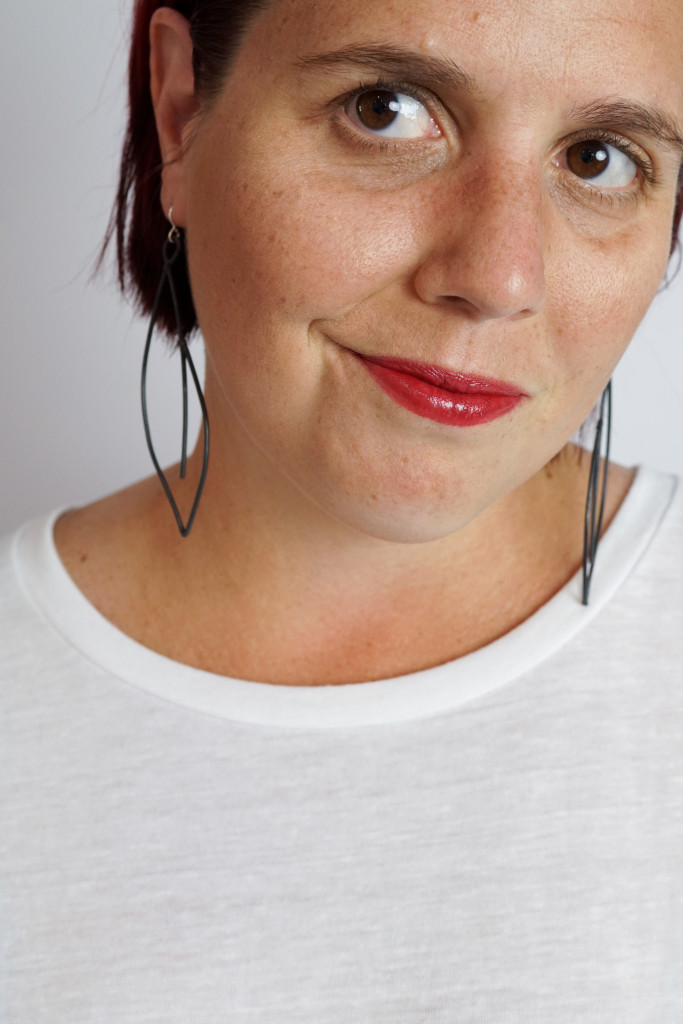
(370, 143)
(642, 163)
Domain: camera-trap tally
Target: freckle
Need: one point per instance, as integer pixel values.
(84, 558)
(475, 16)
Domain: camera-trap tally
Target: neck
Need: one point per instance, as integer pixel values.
(269, 587)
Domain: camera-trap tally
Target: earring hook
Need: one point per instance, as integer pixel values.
(174, 233)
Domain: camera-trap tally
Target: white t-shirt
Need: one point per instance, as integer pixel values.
(496, 840)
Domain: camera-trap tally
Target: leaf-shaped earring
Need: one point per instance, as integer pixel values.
(594, 512)
(172, 249)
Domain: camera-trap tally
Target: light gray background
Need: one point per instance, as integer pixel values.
(69, 378)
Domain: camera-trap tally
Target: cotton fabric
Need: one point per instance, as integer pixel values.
(495, 840)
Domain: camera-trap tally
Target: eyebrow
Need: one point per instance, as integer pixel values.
(398, 61)
(391, 60)
(644, 119)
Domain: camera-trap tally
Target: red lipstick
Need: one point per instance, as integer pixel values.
(438, 394)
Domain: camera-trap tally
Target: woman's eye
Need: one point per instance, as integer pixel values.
(393, 115)
(601, 164)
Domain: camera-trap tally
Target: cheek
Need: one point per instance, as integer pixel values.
(600, 291)
(289, 244)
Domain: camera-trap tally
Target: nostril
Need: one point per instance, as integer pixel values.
(523, 314)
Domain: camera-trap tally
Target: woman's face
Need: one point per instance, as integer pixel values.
(483, 186)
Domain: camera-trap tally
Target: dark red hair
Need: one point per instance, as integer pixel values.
(137, 222)
(677, 212)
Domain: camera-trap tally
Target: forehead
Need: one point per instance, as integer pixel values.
(618, 46)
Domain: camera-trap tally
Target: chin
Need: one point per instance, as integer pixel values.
(399, 521)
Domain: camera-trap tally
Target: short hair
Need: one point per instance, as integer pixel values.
(137, 221)
(678, 211)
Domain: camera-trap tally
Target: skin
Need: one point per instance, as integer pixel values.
(341, 537)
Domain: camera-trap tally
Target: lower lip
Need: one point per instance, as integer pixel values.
(455, 409)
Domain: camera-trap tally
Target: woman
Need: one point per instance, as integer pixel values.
(360, 741)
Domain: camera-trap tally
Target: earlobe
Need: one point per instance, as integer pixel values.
(174, 99)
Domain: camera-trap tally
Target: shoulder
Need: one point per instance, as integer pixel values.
(658, 505)
(646, 550)
(27, 570)
(648, 530)
(14, 589)
(629, 641)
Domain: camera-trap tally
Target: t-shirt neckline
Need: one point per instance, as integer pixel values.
(417, 695)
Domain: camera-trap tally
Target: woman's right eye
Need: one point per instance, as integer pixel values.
(391, 115)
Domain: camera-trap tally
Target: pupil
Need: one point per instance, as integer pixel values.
(589, 155)
(376, 110)
(587, 159)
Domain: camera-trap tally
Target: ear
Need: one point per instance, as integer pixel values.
(175, 102)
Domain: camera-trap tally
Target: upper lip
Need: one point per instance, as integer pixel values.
(448, 380)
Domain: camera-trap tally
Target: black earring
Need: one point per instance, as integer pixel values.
(171, 251)
(594, 512)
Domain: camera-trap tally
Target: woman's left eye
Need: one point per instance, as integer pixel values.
(391, 115)
(601, 164)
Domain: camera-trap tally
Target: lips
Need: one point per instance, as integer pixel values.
(438, 394)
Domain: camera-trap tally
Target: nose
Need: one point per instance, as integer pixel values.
(485, 256)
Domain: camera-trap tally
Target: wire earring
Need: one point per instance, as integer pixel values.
(171, 250)
(594, 512)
